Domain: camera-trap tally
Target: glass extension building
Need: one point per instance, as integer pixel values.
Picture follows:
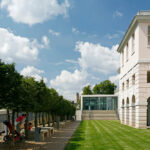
(99, 102)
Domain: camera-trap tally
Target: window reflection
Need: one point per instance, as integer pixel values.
(100, 103)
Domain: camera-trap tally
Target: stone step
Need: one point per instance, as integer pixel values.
(99, 118)
(99, 115)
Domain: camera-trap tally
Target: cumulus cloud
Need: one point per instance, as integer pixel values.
(16, 48)
(98, 58)
(53, 32)
(34, 11)
(31, 71)
(68, 83)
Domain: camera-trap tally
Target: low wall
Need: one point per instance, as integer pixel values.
(78, 115)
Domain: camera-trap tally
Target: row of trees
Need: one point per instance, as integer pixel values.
(24, 94)
(105, 87)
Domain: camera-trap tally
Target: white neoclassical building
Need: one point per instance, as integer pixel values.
(134, 90)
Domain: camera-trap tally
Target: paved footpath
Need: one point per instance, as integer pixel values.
(60, 138)
(57, 141)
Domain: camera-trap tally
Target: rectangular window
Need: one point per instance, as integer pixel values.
(133, 79)
(148, 76)
(122, 86)
(133, 43)
(127, 84)
(127, 52)
(148, 35)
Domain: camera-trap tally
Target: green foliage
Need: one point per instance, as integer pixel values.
(10, 83)
(24, 94)
(105, 87)
(87, 90)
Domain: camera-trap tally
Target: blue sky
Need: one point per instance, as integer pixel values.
(69, 43)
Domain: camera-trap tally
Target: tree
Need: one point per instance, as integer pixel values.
(96, 89)
(87, 90)
(105, 87)
(10, 83)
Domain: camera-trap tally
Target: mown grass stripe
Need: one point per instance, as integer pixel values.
(127, 141)
(103, 142)
(129, 130)
(113, 138)
(108, 135)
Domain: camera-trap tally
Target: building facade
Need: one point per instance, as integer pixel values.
(99, 102)
(134, 82)
(98, 107)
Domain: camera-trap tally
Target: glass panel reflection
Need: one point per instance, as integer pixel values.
(100, 103)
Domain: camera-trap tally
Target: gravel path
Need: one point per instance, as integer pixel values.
(57, 141)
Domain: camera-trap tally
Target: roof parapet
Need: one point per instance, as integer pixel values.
(139, 16)
(143, 13)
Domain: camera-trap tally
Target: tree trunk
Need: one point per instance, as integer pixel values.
(39, 118)
(48, 119)
(8, 115)
(13, 129)
(17, 113)
(43, 121)
(26, 125)
(53, 120)
(58, 120)
(35, 119)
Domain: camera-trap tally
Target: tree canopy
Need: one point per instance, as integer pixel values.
(20, 93)
(87, 90)
(105, 87)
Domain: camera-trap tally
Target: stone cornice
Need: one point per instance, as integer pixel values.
(137, 19)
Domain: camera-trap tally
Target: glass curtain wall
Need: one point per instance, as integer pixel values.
(100, 103)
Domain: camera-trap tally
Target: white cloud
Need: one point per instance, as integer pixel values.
(74, 30)
(54, 32)
(45, 41)
(68, 83)
(117, 14)
(34, 11)
(115, 79)
(98, 58)
(16, 48)
(71, 61)
(112, 36)
(31, 71)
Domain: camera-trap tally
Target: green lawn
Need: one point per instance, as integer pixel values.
(108, 135)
